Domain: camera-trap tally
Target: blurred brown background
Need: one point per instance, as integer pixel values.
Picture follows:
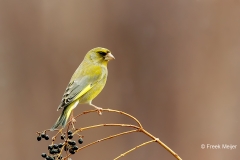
(177, 70)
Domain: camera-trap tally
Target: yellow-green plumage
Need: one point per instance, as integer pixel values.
(86, 83)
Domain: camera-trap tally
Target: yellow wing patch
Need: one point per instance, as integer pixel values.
(85, 90)
(71, 107)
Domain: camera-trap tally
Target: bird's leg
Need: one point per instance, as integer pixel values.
(73, 120)
(98, 108)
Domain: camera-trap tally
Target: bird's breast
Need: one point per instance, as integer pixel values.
(94, 91)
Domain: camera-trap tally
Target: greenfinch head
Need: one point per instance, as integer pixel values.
(99, 55)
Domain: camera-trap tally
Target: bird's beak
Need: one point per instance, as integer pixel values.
(109, 57)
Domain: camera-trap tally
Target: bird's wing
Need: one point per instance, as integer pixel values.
(77, 88)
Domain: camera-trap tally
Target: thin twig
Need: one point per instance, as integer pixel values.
(103, 125)
(54, 137)
(161, 143)
(123, 154)
(110, 110)
(126, 114)
(106, 138)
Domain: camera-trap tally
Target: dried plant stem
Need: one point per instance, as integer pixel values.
(126, 114)
(110, 110)
(123, 154)
(161, 143)
(106, 138)
(137, 128)
(103, 125)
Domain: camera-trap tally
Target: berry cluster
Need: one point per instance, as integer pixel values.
(43, 135)
(70, 145)
(55, 150)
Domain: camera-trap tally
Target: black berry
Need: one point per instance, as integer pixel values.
(75, 148)
(50, 147)
(49, 158)
(43, 135)
(57, 151)
(65, 148)
(46, 137)
(60, 145)
(71, 151)
(62, 137)
(72, 143)
(52, 151)
(44, 155)
(69, 132)
(39, 138)
(80, 141)
(70, 136)
(55, 146)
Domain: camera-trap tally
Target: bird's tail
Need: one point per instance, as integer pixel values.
(62, 119)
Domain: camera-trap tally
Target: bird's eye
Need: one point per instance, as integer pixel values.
(102, 53)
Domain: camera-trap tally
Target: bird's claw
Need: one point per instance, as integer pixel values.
(100, 111)
(73, 120)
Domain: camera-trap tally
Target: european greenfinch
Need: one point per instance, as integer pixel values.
(86, 83)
